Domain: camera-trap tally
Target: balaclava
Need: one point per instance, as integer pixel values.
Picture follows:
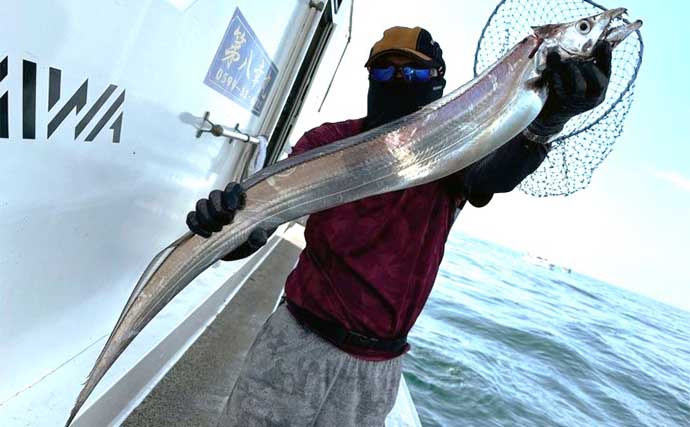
(387, 101)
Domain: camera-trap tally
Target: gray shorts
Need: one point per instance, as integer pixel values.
(292, 377)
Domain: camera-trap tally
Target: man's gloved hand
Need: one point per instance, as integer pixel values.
(574, 87)
(219, 210)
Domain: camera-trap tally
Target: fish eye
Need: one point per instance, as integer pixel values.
(584, 26)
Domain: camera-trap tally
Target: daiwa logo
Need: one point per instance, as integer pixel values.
(57, 111)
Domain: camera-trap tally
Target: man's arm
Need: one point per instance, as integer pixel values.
(500, 171)
(259, 237)
(218, 210)
(574, 87)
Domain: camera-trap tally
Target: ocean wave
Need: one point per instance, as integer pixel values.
(506, 342)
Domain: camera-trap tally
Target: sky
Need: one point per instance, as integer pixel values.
(631, 226)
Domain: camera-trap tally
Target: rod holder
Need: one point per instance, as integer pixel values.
(221, 131)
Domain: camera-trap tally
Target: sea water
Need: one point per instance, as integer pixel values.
(511, 340)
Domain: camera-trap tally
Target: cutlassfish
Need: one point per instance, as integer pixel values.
(431, 143)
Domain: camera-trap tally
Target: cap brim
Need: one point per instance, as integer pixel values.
(413, 54)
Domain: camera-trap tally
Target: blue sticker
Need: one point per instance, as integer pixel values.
(242, 70)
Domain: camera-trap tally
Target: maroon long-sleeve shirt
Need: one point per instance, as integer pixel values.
(370, 264)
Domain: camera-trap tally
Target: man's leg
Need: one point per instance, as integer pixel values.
(285, 377)
(292, 377)
(362, 395)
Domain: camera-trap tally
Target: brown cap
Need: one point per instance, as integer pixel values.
(415, 43)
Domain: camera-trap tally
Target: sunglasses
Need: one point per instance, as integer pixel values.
(408, 73)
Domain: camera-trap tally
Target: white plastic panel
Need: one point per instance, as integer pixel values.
(79, 221)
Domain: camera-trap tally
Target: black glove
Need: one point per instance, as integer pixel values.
(219, 210)
(257, 239)
(574, 87)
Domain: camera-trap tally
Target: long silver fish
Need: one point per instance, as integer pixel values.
(438, 140)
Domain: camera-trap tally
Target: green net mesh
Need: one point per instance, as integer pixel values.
(588, 138)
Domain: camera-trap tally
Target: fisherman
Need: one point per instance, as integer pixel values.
(330, 355)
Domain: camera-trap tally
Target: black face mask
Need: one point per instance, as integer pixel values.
(391, 100)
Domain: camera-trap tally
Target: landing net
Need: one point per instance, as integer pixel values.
(588, 138)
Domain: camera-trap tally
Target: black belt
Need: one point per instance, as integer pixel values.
(340, 336)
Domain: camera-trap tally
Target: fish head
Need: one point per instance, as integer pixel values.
(577, 39)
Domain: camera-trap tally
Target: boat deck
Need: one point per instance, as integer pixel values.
(194, 390)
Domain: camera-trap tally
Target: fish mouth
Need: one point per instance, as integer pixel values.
(618, 27)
